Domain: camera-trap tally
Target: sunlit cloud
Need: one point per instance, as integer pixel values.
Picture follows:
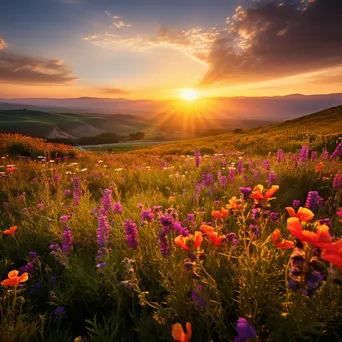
(113, 91)
(3, 44)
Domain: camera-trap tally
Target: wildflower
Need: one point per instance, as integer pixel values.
(64, 218)
(239, 166)
(234, 203)
(245, 192)
(267, 164)
(207, 179)
(178, 333)
(117, 207)
(280, 155)
(334, 257)
(257, 193)
(296, 203)
(337, 182)
(338, 151)
(339, 212)
(220, 214)
(147, 215)
(245, 330)
(67, 241)
(304, 214)
(314, 156)
(14, 280)
(11, 169)
(215, 238)
(231, 175)
(191, 217)
(223, 181)
(32, 255)
(311, 200)
(182, 241)
(107, 199)
(78, 339)
(319, 166)
(164, 246)
(131, 234)
(326, 221)
(40, 206)
(325, 155)
(197, 155)
(271, 178)
(10, 231)
(233, 238)
(77, 190)
(280, 244)
(102, 230)
(304, 154)
(274, 217)
(197, 298)
(59, 313)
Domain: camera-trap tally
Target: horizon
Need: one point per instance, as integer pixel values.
(222, 49)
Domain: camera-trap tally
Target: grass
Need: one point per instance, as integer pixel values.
(98, 284)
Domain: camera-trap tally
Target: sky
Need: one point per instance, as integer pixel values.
(153, 48)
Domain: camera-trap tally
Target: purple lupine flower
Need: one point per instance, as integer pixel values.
(239, 166)
(102, 230)
(147, 215)
(164, 246)
(197, 298)
(274, 217)
(66, 193)
(131, 234)
(177, 227)
(245, 330)
(337, 182)
(191, 217)
(223, 181)
(245, 192)
(296, 203)
(60, 313)
(231, 175)
(67, 240)
(311, 200)
(107, 199)
(324, 155)
(197, 155)
(326, 221)
(314, 155)
(267, 164)
(32, 255)
(338, 151)
(304, 154)
(271, 178)
(117, 207)
(101, 265)
(232, 238)
(77, 193)
(254, 229)
(54, 246)
(207, 179)
(280, 155)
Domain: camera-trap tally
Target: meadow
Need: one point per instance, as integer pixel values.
(232, 238)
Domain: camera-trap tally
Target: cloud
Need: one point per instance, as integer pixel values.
(118, 22)
(113, 91)
(195, 42)
(3, 44)
(22, 69)
(276, 39)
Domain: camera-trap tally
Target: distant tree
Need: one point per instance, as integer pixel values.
(238, 130)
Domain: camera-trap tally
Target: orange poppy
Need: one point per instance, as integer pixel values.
(220, 214)
(11, 230)
(178, 333)
(303, 214)
(182, 241)
(215, 239)
(333, 258)
(234, 203)
(257, 192)
(206, 229)
(282, 243)
(13, 279)
(11, 169)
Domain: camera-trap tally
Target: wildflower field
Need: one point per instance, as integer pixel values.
(224, 245)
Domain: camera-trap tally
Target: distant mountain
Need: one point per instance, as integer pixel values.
(277, 108)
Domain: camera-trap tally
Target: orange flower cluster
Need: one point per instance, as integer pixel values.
(258, 192)
(212, 235)
(184, 242)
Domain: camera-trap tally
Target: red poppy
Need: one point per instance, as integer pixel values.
(11, 230)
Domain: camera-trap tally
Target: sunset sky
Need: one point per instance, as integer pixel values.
(151, 49)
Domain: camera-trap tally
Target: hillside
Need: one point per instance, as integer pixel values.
(321, 129)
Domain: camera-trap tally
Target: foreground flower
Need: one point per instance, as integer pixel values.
(131, 234)
(280, 243)
(245, 330)
(11, 230)
(220, 214)
(304, 214)
(178, 333)
(333, 258)
(14, 280)
(257, 192)
(182, 241)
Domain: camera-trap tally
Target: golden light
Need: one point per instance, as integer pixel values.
(188, 94)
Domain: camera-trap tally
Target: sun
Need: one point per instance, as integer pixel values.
(188, 94)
